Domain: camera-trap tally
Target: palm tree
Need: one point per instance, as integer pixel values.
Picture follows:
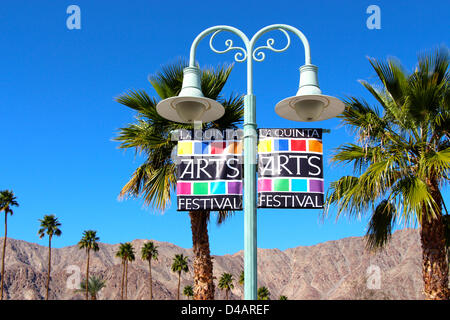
(402, 158)
(263, 293)
(155, 179)
(130, 258)
(7, 200)
(241, 278)
(50, 226)
(126, 254)
(179, 265)
(88, 242)
(94, 285)
(226, 283)
(188, 291)
(121, 255)
(148, 252)
(283, 298)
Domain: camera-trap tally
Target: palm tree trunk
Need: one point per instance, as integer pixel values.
(226, 294)
(87, 275)
(123, 279)
(203, 266)
(49, 265)
(150, 277)
(434, 255)
(3, 254)
(126, 280)
(179, 281)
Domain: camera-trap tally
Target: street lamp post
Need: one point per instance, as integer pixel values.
(308, 105)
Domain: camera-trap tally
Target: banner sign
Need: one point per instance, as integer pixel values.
(209, 170)
(290, 168)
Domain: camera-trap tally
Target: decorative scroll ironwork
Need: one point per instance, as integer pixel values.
(259, 55)
(240, 56)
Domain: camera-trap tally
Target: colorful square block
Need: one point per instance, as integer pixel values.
(201, 147)
(217, 147)
(315, 146)
(298, 145)
(316, 186)
(281, 185)
(184, 147)
(234, 187)
(234, 148)
(183, 188)
(264, 184)
(201, 188)
(281, 145)
(299, 185)
(218, 187)
(265, 145)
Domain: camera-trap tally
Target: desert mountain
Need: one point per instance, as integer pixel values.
(340, 269)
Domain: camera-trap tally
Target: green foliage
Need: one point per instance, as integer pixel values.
(149, 251)
(95, 285)
(188, 291)
(126, 252)
(7, 200)
(226, 281)
(50, 226)
(263, 293)
(282, 298)
(402, 154)
(89, 241)
(180, 264)
(241, 278)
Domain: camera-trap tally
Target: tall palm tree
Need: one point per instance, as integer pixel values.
(126, 254)
(94, 285)
(148, 252)
(120, 253)
(155, 179)
(401, 159)
(188, 291)
(88, 242)
(226, 283)
(179, 265)
(130, 258)
(7, 201)
(263, 293)
(50, 226)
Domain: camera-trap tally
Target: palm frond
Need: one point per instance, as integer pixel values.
(414, 197)
(380, 225)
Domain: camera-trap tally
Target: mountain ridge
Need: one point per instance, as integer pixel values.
(335, 269)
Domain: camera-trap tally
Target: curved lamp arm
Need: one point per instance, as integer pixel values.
(229, 43)
(249, 52)
(283, 28)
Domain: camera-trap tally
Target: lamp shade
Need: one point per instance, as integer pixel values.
(309, 104)
(190, 105)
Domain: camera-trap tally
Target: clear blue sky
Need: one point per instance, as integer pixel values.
(58, 116)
